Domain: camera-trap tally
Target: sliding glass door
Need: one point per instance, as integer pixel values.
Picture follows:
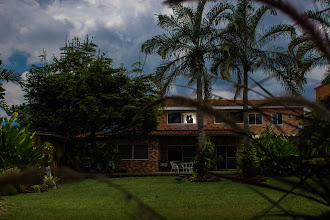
(226, 157)
(181, 153)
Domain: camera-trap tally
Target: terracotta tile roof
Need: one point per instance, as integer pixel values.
(97, 134)
(223, 102)
(192, 132)
(44, 133)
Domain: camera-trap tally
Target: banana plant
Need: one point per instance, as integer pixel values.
(16, 145)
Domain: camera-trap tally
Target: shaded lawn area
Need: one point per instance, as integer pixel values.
(90, 199)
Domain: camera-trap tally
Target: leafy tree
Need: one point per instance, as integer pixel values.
(81, 92)
(244, 47)
(185, 46)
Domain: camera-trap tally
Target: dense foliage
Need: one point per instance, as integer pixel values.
(81, 92)
(16, 146)
(203, 162)
(315, 136)
(273, 153)
(88, 156)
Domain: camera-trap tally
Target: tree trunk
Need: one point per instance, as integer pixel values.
(245, 102)
(200, 114)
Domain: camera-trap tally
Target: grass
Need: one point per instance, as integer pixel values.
(90, 199)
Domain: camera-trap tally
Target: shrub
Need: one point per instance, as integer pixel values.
(47, 150)
(44, 187)
(88, 155)
(9, 170)
(50, 181)
(35, 188)
(22, 188)
(8, 190)
(274, 153)
(203, 162)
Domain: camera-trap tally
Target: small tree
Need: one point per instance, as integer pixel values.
(204, 161)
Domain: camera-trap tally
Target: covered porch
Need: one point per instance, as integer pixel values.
(183, 148)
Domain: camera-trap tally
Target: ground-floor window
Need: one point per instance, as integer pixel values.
(133, 152)
(181, 153)
(227, 157)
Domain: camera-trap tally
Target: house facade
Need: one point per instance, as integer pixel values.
(322, 91)
(176, 136)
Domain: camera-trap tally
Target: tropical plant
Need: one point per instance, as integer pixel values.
(50, 181)
(47, 150)
(275, 154)
(188, 39)
(204, 161)
(16, 146)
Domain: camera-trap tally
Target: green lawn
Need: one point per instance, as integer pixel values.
(90, 199)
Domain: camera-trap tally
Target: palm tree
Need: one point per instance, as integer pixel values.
(303, 47)
(244, 48)
(8, 75)
(188, 39)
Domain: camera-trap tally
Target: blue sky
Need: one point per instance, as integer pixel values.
(119, 27)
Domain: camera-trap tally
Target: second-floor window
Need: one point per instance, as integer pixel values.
(255, 119)
(277, 118)
(181, 118)
(236, 117)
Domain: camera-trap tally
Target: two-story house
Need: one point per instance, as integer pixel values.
(176, 136)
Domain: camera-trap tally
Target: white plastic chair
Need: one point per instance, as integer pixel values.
(187, 166)
(175, 167)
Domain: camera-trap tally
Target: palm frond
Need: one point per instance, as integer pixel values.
(321, 18)
(256, 18)
(277, 31)
(11, 75)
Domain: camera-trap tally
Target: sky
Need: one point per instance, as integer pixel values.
(119, 27)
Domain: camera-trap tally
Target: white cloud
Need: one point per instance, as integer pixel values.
(31, 26)
(224, 94)
(13, 94)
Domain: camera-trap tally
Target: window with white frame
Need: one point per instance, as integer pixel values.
(277, 118)
(236, 117)
(255, 119)
(181, 118)
(133, 152)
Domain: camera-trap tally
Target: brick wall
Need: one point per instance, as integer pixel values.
(322, 91)
(289, 117)
(142, 166)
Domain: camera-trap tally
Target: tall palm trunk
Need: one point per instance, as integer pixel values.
(200, 114)
(245, 102)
